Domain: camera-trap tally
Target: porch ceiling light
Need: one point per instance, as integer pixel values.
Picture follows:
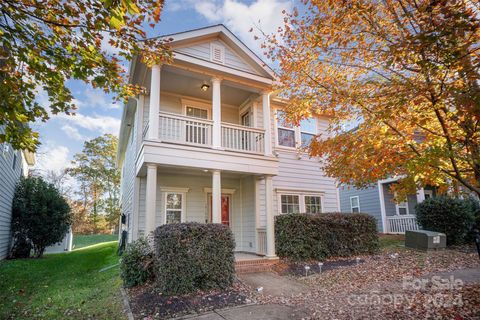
(204, 87)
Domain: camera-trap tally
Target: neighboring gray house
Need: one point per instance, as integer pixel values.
(13, 164)
(377, 200)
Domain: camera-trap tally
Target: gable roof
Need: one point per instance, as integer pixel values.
(181, 39)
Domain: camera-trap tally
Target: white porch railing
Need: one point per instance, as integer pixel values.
(236, 137)
(145, 130)
(185, 130)
(400, 224)
(261, 241)
(181, 129)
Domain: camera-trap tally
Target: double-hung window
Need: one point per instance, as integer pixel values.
(355, 204)
(313, 204)
(291, 136)
(290, 203)
(402, 207)
(308, 129)
(300, 203)
(174, 207)
(285, 131)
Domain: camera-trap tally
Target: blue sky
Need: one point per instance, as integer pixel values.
(63, 136)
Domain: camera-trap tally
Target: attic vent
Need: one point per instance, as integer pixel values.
(217, 53)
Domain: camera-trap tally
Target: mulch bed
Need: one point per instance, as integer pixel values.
(147, 303)
(285, 268)
(330, 294)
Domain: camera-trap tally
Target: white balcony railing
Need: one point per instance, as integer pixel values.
(261, 241)
(241, 138)
(181, 129)
(185, 130)
(400, 224)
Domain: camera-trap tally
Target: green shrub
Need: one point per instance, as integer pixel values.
(193, 256)
(137, 263)
(40, 216)
(451, 216)
(301, 237)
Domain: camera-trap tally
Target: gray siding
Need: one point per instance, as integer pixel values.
(9, 176)
(369, 200)
(390, 207)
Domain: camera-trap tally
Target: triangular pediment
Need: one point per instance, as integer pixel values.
(219, 45)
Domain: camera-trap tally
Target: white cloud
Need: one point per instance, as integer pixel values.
(73, 133)
(97, 123)
(95, 98)
(241, 17)
(51, 157)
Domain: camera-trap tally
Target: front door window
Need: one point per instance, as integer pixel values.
(224, 207)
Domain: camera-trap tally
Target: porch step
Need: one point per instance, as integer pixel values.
(255, 265)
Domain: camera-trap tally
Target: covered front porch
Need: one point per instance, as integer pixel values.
(401, 217)
(178, 194)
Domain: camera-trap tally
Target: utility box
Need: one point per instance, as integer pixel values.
(425, 240)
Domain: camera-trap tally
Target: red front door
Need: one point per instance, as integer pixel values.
(225, 210)
(225, 207)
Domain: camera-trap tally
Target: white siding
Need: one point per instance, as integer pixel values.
(232, 60)
(298, 172)
(127, 187)
(242, 216)
(9, 177)
(173, 104)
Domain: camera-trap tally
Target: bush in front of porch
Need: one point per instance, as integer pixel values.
(193, 256)
(453, 216)
(302, 237)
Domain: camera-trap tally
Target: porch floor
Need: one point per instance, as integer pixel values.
(245, 256)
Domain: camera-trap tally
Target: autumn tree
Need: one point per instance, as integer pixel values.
(98, 178)
(43, 44)
(406, 72)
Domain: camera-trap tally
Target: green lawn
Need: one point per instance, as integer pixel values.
(61, 286)
(84, 240)
(389, 241)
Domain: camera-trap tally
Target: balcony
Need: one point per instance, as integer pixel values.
(179, 129)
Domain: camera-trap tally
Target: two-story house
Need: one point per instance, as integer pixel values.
(207, 143)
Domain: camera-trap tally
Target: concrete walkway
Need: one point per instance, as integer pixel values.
(273, 284)
(253, 312)
(468, 276)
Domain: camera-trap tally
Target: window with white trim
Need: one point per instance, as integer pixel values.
(428, 194)
(355, 204)
(402, 207)
(289, 135)
(313, 204)
(308, 129)
(196, 112)
(300, 203)
(290, 203)
(174, 207)
(285, 131)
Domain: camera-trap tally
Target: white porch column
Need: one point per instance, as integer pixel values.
(266, 123)
(150, 198)
(216, 197)
(270, 217)
(420, 195)
(154, 110)
(216, 113)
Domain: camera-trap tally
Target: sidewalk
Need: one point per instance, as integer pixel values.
(252, 312)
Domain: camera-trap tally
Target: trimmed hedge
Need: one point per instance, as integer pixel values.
(193, 256)
(137, 263)
(302, 237)
(452, 216)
